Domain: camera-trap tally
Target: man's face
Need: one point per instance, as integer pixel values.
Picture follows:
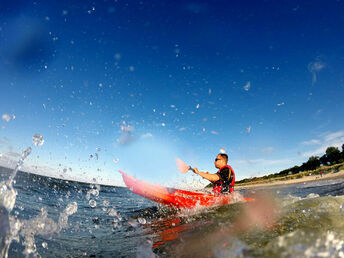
(219, 162)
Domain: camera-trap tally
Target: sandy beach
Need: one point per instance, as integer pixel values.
(332, 175)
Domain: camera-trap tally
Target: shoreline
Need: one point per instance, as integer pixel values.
(312, 178)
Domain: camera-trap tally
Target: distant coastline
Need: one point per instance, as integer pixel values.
(328, 172)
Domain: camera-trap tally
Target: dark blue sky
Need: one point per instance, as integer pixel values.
(261, 79)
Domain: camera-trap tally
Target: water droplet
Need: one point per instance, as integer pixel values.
(44, 244)
(6, 117)
(115, 160)
(37, 139)
(71, 208)
(247, 86)
(133, 223)
(112, 212)
(92, 203)
(88, 196)
(142, 220)
(94, 192)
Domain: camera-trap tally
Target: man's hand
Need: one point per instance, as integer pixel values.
(196, 171)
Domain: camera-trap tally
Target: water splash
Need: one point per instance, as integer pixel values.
(11, 228)
(4, 231)
(7, 195)
(20, 162)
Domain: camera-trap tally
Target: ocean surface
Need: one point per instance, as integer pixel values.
(58, 218)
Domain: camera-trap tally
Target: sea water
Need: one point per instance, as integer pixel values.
(57, 218)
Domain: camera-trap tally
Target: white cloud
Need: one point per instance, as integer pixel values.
(6, 161)
(268, 150)
(311, 142)
(146, 135)
(334, 136)
(335, 139)
(264, 162)
(13, 154)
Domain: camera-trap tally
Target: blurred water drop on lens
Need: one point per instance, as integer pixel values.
(115, 160)
(37, 139)
(92, 203)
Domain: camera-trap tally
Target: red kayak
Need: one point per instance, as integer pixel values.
(175, 197)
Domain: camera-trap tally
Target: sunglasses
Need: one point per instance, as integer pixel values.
(217, 159)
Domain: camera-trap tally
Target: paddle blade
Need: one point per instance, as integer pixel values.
(182, 167)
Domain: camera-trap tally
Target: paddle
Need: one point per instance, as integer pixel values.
(182, 167)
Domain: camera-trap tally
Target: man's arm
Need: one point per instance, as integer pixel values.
(207, 175)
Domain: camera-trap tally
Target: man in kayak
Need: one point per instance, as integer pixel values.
(224, 179)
